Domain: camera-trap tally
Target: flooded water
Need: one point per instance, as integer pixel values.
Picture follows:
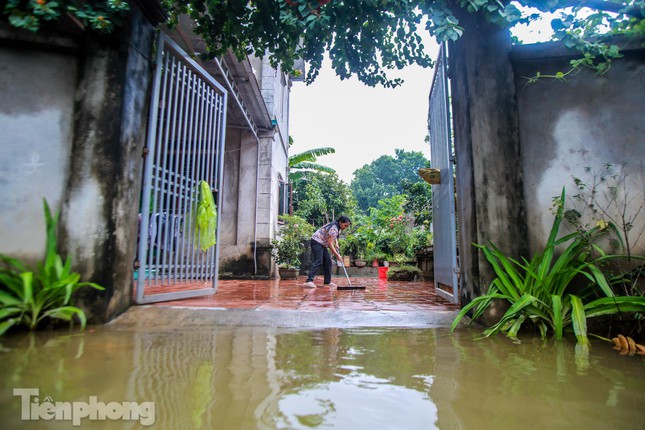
(268, 378)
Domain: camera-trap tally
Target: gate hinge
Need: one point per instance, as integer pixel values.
(136, 265)
(145, 152)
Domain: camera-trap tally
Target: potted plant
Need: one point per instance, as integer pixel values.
(376, 257)
(288, 246)
(360, 261)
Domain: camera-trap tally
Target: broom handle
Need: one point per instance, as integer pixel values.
(348, 281)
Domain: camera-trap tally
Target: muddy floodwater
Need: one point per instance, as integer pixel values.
(342, 378)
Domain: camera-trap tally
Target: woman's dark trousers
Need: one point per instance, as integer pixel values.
(320, 258)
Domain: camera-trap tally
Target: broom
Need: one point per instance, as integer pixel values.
(350, 286)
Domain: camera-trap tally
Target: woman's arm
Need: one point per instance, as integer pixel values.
(332, 243)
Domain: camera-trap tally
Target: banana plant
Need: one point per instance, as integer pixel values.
(303, 162)
(30, 296)
(539, 291)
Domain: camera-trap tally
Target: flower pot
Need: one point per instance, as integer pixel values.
(360, 263)
(288, 273)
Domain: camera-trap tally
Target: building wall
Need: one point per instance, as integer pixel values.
(253, 168)
(36, 113)
(573, 128)
(490, 203)
(73, 116)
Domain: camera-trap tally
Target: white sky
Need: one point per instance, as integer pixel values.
(363, 123)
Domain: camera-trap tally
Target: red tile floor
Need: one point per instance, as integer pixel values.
(379, 295)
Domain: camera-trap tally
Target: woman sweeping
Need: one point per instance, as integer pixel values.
(322, 241)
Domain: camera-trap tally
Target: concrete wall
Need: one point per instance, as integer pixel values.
(585, 122)
(36, 113)
(73, 128)
(253, 168)
(490, 205)
(240, 217)
(251, 180)
(517, 145)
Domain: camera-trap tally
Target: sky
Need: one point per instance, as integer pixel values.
(363, 123)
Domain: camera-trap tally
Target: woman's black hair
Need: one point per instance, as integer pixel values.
(344, 219)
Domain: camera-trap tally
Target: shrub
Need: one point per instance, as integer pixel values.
(539, 291)
(31, 296)
(288, 247)
(403, 273)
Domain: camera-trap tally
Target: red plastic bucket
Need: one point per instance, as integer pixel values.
(382, 272)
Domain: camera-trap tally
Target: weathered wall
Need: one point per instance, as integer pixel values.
(253, 166)
(490, 203)
(36, 112)
(82, 127)
(238, 222)
(584, 122)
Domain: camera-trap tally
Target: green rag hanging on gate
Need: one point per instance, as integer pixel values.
(206, 217)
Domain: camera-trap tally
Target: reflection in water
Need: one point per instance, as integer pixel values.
(269, 378)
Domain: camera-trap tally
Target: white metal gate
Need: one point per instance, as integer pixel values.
(185, 146)
(443, 194)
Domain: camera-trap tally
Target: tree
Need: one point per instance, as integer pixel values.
(419, 201)
(322, 198)
(369, 38)
(385, 176)
(365, 38)
(303, 162)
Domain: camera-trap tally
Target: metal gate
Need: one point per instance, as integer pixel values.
(185, 146)
(443, 194)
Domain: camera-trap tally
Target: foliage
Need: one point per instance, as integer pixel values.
(386, 176)
(403, 273)
(98, 15)
(322, 198)
(541, 291)
(30, 296)
(588, 34)
(387, 231)
(393, 226)
(374, 254)
(303, 162)
(363, 38)
(419, 201)
(288, 247)
(605, 197)
(423, 238)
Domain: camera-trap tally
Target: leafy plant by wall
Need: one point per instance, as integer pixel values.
(289, 245)
(540, 291)
(30, 297)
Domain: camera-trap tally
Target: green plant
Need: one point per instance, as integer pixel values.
(403, 273)
(422, 239)
(541, 292)
(98, 15)
(29, 297)
(288, 247)
(400, 259)
(375, 255)
(607, 196)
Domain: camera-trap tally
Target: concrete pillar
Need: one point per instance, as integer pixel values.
(101, 201)
(490, 203)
